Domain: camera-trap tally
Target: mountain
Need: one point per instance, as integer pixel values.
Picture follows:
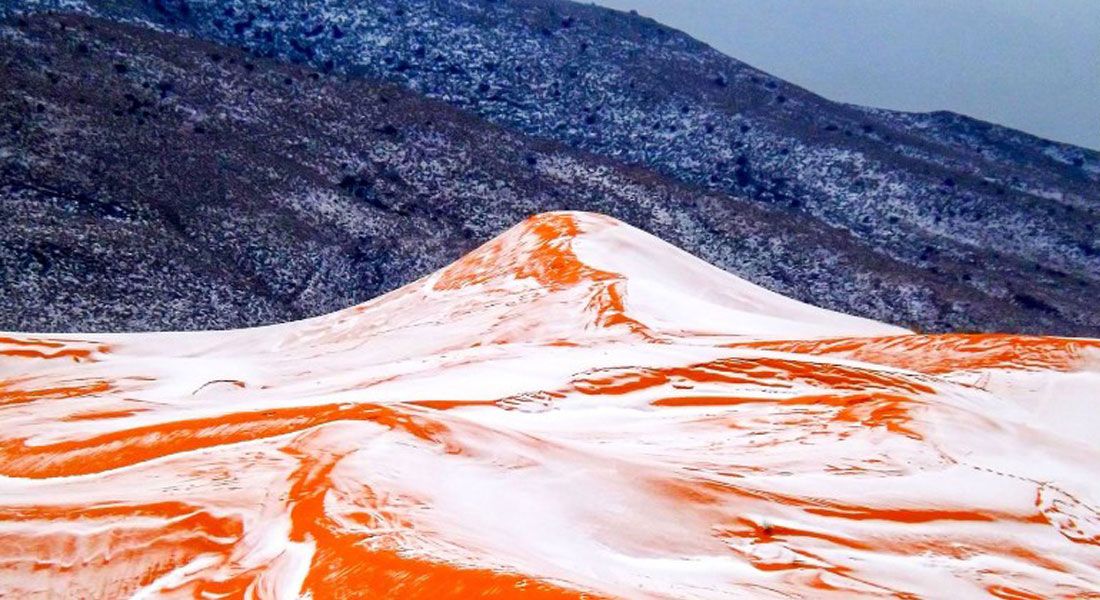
(574, 409)
(1006, 221)
(152, 181)
(155, 182)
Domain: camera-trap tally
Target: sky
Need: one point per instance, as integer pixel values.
(1028, 64)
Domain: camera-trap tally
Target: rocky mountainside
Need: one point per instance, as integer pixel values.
(573, 410)
(152, 181)
(934, 221)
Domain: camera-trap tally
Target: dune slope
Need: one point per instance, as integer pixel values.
(575, 409)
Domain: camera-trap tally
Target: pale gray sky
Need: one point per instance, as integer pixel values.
(1029, 64)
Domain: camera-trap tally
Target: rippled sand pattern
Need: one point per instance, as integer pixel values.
(575, 410)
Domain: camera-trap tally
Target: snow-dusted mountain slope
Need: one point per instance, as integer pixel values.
(168, 183)
(287, 174)
(575, 409)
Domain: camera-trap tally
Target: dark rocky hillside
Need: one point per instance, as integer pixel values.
(303, 197)
(151, 181)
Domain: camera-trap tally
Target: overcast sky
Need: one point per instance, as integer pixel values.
(1029, 64)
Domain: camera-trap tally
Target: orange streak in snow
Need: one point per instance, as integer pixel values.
(1008, 593)
(346, 566)
(708, 401)
(762, 533)
(103, 415)
(903, 515)
(74, 353)
(10, 396)
(31, 342)
(542, 250)
(765, 372)
(449, 404)
(116, 556)
(131, 446)
(873, 410)
(76, 350)
(938, 354)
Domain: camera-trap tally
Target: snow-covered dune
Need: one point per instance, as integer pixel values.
(575, 409)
